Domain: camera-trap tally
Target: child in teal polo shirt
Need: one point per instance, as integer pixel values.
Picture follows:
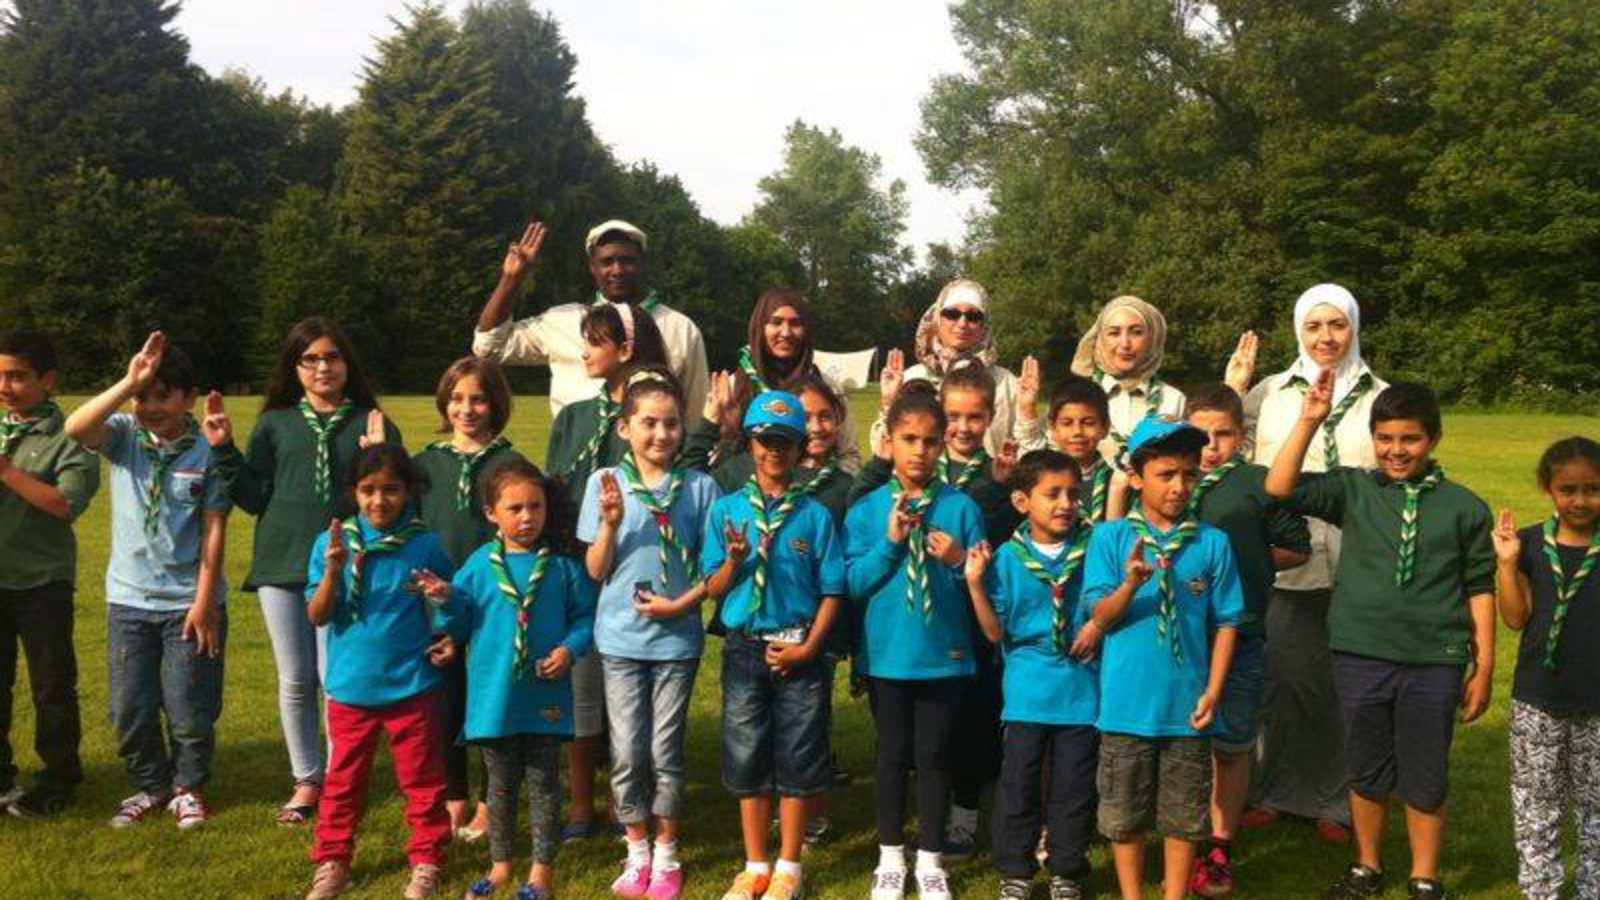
(525, 611)
(1026, 595)
(1411, 623)
(776, 565)
(46, 482)
(165, 591)
(1167, 587)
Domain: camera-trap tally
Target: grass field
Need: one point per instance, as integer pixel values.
(241, 853)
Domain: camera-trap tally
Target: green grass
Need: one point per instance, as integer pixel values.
(241, 853)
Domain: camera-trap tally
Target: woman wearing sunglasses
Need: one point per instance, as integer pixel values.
(954, 328)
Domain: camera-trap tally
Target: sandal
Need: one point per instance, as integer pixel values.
(291, 814)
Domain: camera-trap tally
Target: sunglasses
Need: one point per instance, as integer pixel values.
(773, 440)
(973, 316)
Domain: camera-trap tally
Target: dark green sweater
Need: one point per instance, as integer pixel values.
(273, 481)
(37, 548)
(1426, 622)
(569, 434)
(460, 530)
(1254, 524)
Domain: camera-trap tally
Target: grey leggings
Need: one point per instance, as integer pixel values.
(511, 760)
(296, 649)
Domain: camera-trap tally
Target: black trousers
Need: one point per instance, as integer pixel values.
(41, 619)
(976, 760)
(458, 770)
(1070, 754)
(915, 724)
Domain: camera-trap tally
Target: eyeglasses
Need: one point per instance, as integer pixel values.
(950, 314)
(773, 440)
(310, 361)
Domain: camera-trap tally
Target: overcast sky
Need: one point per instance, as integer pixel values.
(703, 88)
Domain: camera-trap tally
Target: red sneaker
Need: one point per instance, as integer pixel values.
(1258, 817)
(1213, 874)
(1332, 832)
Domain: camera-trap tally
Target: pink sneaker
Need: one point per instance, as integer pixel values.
(666, 885)
(634, 882)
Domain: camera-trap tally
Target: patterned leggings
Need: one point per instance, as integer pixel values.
(1555, 762)
(510, 761)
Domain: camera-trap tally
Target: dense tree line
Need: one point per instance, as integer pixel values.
(1436, 156)
(136, 190)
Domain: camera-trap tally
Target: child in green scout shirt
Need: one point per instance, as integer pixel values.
(474, 404)
(619, 338)
(1265, 540)
(46, 481)
(319, 413)
(1412, 616)
(1078, 420)
(165, 592)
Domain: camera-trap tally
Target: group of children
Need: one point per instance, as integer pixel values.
(1116, 605)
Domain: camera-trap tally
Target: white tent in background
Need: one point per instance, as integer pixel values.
(849, 371)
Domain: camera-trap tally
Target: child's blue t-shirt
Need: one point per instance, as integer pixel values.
(1144, 689)
(159, 572)
(382, 657)
(500, 701)
(1041, 684)
(805, 564)
(619, 630)
(898, 641)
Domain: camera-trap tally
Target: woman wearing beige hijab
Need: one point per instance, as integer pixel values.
(1122, 352)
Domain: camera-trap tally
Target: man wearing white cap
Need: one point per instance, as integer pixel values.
(615, 251)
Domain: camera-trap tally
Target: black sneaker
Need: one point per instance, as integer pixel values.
(1425, 889)
(40, 801)
(1014, 888)
(1065, 889)
(1358, 883)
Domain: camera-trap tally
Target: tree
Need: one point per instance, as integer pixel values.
(422, 176)
(825, 203)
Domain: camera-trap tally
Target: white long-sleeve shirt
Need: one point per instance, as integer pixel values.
(554, 337)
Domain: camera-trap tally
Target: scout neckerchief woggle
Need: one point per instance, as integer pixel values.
(1167, 616)
(919, 596)
(767, 527)
(13, 427)
(968, 471)
(1077, 548)
(470, 464)
(322, 430)
(659, 507)
(161, 456)
(1407, 563)
(360, 549)
(522, 599)
(1330, 444)
(1211, 478)
(1566, 588)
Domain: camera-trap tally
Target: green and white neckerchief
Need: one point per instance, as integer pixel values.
(522, 598)
(660, 510)
(748, 367)
(1153, 392)
(161, 456)
(767, 527)
(322, 430)
(1099, 490)
(648, 304)
(1566, 588)
(1164, 551)
(1330, 443)
(606, 411)
(820, 475)
(968, 470)
(919, 596)
(360, 549)
(1406, 565)
(13, 428)
(470, 463)
(1210, 480)
(1077, 547)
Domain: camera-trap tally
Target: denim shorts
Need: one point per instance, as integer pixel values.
(1239, 713)
(774, 727)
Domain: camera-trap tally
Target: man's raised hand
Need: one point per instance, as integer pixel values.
(521, 253)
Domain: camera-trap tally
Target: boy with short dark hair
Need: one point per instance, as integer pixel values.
(1265, 539)
(1167, 589)
(46, 482)
(1026, 598)
(165, 592)
(1078, 419)
(1412, 618)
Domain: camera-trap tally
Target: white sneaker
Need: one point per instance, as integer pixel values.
(933, 884)
(9, 797)
(331, 879)
(424, 882)
(189, 809)
(136, 808)
(888, 884)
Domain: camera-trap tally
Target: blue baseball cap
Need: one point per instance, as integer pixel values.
(1166, 434)
(776, 411)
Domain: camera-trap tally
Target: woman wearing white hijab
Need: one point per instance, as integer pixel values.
(955, 328)
(1301, 769)
(1122, 352)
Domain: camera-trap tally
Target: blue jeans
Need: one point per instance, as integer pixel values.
(154, 671)
(647, 707)
(298, 650)
(774, 728)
